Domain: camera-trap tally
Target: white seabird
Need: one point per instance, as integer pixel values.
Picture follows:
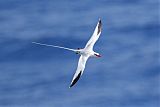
(84, 53)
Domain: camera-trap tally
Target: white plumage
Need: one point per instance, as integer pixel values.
(85, 52)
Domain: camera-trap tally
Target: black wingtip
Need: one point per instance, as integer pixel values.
(99, 26)
(75, 80)
(100, 22)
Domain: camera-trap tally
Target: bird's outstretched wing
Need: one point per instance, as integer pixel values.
(95, 36)
(80, 69)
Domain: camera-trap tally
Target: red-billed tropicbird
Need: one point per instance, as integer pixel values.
(84, 53)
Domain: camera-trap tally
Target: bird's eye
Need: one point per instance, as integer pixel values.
(97, 55)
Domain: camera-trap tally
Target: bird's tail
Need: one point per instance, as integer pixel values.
(55, 46)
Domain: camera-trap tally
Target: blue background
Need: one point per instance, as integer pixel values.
(36, 76)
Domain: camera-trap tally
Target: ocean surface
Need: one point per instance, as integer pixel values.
(127, 74)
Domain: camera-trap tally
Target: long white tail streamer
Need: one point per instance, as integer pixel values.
(55, 46)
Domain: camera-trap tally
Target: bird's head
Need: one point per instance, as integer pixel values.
(97, 55)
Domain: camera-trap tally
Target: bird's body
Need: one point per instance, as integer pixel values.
(84, 53)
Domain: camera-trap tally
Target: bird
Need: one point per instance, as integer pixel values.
(84, 53)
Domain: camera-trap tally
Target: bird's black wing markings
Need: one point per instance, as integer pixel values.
(76, 79)
(99, 27)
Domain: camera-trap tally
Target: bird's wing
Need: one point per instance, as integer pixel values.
(80, 69)
(95, 36)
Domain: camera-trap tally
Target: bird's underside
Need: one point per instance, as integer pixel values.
(84, 53)
(88, 47)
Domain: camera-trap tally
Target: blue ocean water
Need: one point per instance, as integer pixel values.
(127, 75)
